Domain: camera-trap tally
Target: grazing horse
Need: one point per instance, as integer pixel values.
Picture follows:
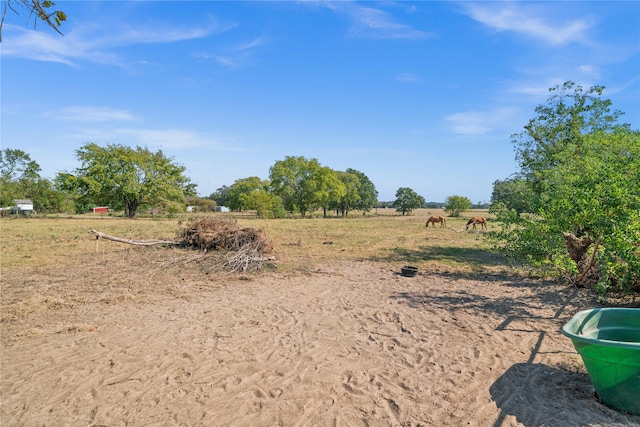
(476, 220)
(442, 220)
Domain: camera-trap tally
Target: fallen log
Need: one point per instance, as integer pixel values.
(146, 242)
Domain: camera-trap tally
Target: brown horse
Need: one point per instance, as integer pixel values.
(477, 221)
(442, 220)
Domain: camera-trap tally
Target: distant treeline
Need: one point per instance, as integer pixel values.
(434, 205)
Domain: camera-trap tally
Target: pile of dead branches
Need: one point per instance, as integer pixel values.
(247, 247)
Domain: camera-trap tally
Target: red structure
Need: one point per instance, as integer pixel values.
(101, 209)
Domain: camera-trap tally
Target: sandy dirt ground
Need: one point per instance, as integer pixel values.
(351, 344)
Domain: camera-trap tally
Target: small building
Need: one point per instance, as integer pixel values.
(100, 209)
(222, 209)
(22, 207)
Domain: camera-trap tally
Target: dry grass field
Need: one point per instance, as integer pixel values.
(106, 333)
(301, 243)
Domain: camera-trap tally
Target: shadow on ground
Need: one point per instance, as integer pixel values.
(546, 294)
(472, 257)
(540, 395)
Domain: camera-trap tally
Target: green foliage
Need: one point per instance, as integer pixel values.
(265, 203)
(126, 178)
(254, 194)
(351, 195)
(561, 123)
(20, 179)
(304, 185)
(221, 195)
(407, 200)
(330, 188)
(297, 184)
(580, 174)
(202, 204)
(513, 193)
(236, 196)
(359, 193)
(46, 199)
(16, 165)
(367, 193)
(82, 206)
(454, 205)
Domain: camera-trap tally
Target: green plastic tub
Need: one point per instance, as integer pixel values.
(608, 340)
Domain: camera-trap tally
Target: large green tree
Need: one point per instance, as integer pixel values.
(351, 196)
(581, 170)
(454, 205)
(20, 179)
(367, 193)
(569, 114)
(17, 173)
(330, 188)
(241, 187)
(303, 184)
(407, 200)
(16, 165)
(126, 178)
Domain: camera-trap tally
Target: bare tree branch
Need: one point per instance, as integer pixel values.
(147, 242)
(38, 8)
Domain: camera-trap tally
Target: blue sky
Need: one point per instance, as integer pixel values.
(414, 94)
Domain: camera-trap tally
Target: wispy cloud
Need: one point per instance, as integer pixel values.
(90, 114)
(540, 89)
(478, 122)
(622, 87)
(408, 78)
(94, 43)
(528, 20)
(369, 22)
(236, 56)
(173, 139)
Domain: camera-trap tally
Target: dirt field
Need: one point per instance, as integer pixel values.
(140, 337)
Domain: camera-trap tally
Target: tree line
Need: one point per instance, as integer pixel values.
(300, 185)
(127, 179)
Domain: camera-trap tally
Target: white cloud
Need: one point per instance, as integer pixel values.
(622, 87)
(252, 44)
(90, 114)
(589, 71)
(521, 19)
(227, 62)
(93, 43)
(541, 89)
(367, 22)
(235, 56)
(478, 122)
(536, 89)
(172, 139)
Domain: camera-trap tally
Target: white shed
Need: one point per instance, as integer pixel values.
(23, 204)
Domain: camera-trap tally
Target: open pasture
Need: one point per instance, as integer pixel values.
(299, 242)
(124, 335)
